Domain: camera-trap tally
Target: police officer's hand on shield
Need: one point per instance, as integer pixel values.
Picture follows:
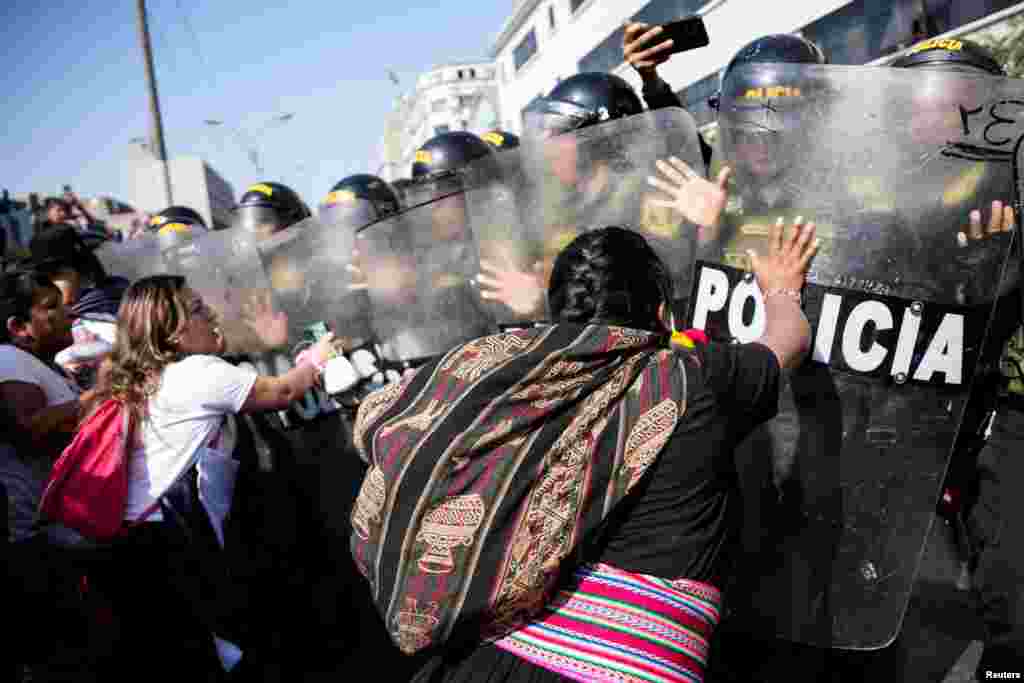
(1001, 220)
(699, 200)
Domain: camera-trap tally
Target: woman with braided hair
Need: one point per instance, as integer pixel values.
(558, 503)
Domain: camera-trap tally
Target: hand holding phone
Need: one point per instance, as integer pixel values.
(686, 34)
(645, 46)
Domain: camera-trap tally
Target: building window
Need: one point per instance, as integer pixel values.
(865, 30)
(440, 130)
(551, 17)
(466, 101)
(472, 73)
(527, 48)
(438, 106)
(575, 5)
(608, 53)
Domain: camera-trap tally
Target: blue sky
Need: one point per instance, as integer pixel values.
(74, 84)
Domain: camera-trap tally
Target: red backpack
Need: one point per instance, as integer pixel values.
(88, 486)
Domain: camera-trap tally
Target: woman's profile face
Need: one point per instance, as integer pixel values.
(200, 334)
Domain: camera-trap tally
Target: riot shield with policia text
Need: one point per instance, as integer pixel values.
(888, 164)
(554, 187)
(419, 268)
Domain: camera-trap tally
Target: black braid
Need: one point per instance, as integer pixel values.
(609, 276)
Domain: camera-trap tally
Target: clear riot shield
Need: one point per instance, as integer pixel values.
(420, 268)
(224, 268)
(132, 259)
(550, 190)
(310, 270)
(888, 163)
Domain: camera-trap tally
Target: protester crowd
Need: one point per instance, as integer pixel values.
(412, 368)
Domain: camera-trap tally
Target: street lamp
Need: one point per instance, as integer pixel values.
(249, 142)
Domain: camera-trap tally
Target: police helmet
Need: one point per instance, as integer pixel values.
(444, 165)
(176, 214)
(176, 226)
(580, 101)
(779, 48)
(448, 152)
(266, 208)
(359, 200)
(950, 54)
(500, 139)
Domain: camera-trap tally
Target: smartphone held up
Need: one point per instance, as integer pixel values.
(686, 34)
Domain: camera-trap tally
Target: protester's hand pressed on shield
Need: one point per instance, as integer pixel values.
(522, 291)
(788, 259)
(270, 325)
(781, 274)
(699, 200)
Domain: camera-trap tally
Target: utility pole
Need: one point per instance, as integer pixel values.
(158, 146)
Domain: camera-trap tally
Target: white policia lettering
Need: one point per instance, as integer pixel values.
(945, 352)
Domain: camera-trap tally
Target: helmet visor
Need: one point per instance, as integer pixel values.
(548, 118)
(262, 221)
(354, 213)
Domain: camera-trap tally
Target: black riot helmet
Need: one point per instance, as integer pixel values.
(442, 164)
(951, 54)
(359, 200)
(580, 101)
(766, 101)
(779, 48)
(500, 139)
(176, 214)
(448, 152)
(267, 208)
(176, 226)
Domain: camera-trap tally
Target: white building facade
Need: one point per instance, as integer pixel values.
(451, 97)
(545, 41)
(193, 183)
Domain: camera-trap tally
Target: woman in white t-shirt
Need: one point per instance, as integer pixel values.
(165, 367)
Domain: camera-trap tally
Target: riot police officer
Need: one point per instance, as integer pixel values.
(420, 266)
(987, 475)
(267, 208)
(570, 185)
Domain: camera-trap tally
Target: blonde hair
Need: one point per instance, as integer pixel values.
(153, 313)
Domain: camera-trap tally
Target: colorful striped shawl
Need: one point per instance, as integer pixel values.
(491, 465)
(611, 626)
